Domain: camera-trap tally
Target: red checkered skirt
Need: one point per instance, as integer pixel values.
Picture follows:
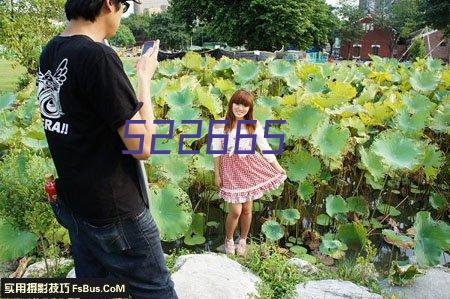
(246, 178)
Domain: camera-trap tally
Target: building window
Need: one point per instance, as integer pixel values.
(356, 51)
(375, 50)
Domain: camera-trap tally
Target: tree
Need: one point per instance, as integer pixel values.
(400, 18)
(26, 26)
(162, 26)
(351, 29)
(260, 24)
(436, 15)
(124, 37)
(417, 49)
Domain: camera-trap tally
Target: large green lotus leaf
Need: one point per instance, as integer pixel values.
(433, 160)
(346, 110)
(194, 239)
(193, 61)
(262, 113)
(388, 210)
(174, 169)
(272, 230)
(170, 68)
(204, 161)
(330, 246)
(417, 103)
(298, 250)
(302, 165)
(303, 121)
(225, 86)
(411, 124)
(438, 201)
(341, 90)
(335, 204)
(271, 102)
(397, 239)
(184, 97)
(330, 140)
(179, 113)
(163, 144)
(323, 219)
(424, 81)
(280, 68)
(224, 63)
(195, 234)
(375, 183)
(434, 65)
(402, 275)
(372, 163)
(441, 119)
(35, 144)
(6, 100)
(358, 205)
(209, 101)
(246, 71)
(432, 237)
(157, 86)
(289, 216)
(171, 210)
(305, 190)
(293, 81)
(14, 243)
(354, 235)
(316, 84)
(396, 150)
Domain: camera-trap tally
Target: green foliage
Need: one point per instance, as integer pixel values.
(436, 14)
(26, 26)
(402, 275)
(13, 243)
(417, 49)
(123, 38)
(262, 25)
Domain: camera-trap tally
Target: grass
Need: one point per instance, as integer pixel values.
(9, 76)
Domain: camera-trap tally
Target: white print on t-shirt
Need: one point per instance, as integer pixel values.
(48, 90)
(48, 94)
(55, 126)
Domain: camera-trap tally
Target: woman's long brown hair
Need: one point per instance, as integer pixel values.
(245, 98)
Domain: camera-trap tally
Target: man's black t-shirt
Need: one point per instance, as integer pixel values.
(84, 97)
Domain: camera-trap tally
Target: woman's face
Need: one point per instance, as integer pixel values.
(240, 110)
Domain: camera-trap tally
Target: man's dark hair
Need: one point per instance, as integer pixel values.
(87, 9)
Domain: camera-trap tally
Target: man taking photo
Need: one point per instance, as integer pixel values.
(85, 99)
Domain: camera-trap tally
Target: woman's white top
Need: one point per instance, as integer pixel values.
(244, 143)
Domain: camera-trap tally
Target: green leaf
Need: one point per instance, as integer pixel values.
(302, 165)
(272, 230)
(335, 204)
(396, 150)
(388, 210)
(174, 169)
(397, 239)
(424, 81)
(305, 190)
(437, 201)
(183, 98)
(331, 140)
(402, 275)
(298, 250)
(224, 64)
(330, 246)
(14, 243)
(6, 100)
(417, 103)
(289, 216)
(303, 121)
(316, 84)
(280, 68)
(323, 219)
(432, 237)
(246, 71)
(433, 160)
(354, 235)
(171, 209)
(358, 205)
(441, 119)
(170, 68)
(372, 163)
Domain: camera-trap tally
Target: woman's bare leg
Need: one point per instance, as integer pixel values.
(246, 218)
(232, 219)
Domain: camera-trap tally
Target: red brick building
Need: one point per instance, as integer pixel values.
(375, 41)
(435, 44)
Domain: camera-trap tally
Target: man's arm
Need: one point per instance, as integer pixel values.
(145, 69)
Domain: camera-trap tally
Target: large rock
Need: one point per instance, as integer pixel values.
(212, 275)
(6, 268)
(333, 289)
(39, 270)
(303, 266)
(435, 284)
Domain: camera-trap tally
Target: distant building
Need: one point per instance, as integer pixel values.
(434, 41)
(151, 6)
(375, 41)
